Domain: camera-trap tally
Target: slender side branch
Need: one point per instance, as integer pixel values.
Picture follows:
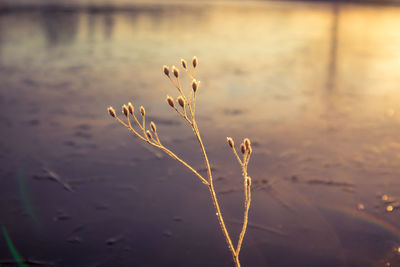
(131, 129)
(169, 152)
(246, 150)
(247, 192)
(156, 142)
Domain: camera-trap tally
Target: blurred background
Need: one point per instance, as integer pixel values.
(314, 85)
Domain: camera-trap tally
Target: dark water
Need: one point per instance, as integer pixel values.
(315, 86)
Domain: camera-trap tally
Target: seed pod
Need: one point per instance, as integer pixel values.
(111, 111)
(153, 126)
(175, 71)
(195, 85)
(247, 143)
(230, 142)
(125, 110)
(184, 65)
(170, 101)
(166, 70)
(130, 108)
(142, 111)
(194, 62)
(149, 135)
(181, 101)
(242, 148)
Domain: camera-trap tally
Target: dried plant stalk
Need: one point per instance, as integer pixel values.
(186, 110)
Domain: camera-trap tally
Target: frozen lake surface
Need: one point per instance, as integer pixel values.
(314, 86)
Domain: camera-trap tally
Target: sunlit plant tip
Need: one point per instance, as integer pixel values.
(130, 108)
(153, 126)
(242, 148)
(166, 70)
(149, 135)
(230, 142)
(184, 65)
(247, 143)
(111, 111)
(175, 71)
(142, 111)
(195, 85)
(194, 62)
(125, 110)
(181, 101)
(170, 101)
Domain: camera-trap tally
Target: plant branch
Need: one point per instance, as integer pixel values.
(154, 140)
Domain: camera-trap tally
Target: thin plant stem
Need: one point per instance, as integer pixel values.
(169, 152)
(155, 141)
(247, 201)
(237, 156)
(214, 196)
(141, 127)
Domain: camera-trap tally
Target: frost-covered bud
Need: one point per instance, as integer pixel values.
(181, 101)
(247, 143)
(153, 126)
(130, 108)
(195, 85)
(175, 71)
(194, 62)
(170, 101)
(166, 70)
(230, 142)
(242, 148)
(111, 111)
(184, 65)
(149, 135)
(125, 110)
